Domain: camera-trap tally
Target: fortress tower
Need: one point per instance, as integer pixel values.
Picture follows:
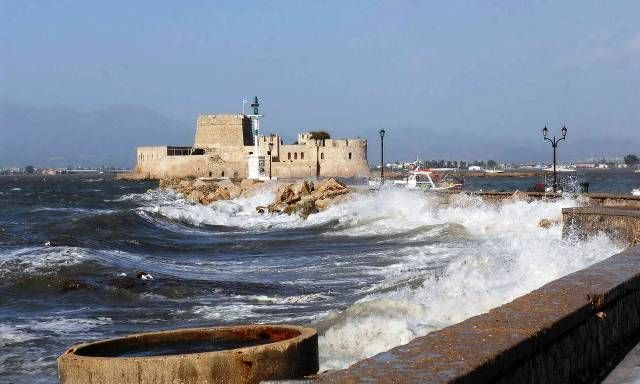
(223, 131)
(229, 145)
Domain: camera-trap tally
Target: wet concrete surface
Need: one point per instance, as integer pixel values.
(628, 371)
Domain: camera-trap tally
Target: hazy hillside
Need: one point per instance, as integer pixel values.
(62, 136)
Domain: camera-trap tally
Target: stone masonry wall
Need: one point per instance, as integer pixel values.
(338, 161)
(223, 130)
(224, 139)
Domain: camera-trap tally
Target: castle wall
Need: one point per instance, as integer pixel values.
(222, 144)
(154, 163)
(223, 130)
(343, 157)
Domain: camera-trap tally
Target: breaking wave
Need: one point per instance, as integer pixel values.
(448, 262)
(370, 273)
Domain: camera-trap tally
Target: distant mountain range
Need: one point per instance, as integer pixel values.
(57, 137)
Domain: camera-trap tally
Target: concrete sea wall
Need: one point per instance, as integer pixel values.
(570, 330)
(618, 222)
(586, 199)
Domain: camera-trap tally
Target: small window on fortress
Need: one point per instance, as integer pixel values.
(295, 156)
(301, 155)
(289, 155)
(349, 155)
(210, 173)
(222, 174)
(322, 155)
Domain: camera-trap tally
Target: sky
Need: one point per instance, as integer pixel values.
(453, 80)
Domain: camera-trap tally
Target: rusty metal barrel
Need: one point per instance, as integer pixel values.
(231, 354)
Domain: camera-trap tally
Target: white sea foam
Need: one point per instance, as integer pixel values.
(75, 210)
(48, 259)
(11, 335)
(65, 325)
(33, 259)
(240, 213)
(31, 329)
(507, 255)
(458, 261)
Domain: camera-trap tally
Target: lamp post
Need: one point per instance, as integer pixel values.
(270, 153)
(554, 143)
(382, 132)
(317, 159)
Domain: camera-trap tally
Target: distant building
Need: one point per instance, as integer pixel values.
(475, 168)
(223, 143)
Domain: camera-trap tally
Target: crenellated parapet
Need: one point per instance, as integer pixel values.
(223, 142)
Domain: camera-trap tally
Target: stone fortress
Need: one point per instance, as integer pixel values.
(224, 145)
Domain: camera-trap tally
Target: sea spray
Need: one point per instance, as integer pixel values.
(507, 256)
(467, 258)
(370, 273)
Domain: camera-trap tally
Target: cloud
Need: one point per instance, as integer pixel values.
(603, 49)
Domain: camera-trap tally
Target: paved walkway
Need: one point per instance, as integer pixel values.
(628, 371)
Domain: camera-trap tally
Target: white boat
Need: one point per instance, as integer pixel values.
(560, 168)
(421, 179)
(493, 171)
(636, 192)
(637, 171)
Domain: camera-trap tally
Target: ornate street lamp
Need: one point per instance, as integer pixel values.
(382, 132)
(554, 143)
(270, 153)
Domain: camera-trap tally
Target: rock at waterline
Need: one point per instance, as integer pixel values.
(206, 191)
(144, 276)
(304, 198)
(548, 223)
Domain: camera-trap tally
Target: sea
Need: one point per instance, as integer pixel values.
(371, 273)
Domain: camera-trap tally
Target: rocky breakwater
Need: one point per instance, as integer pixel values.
(205, 191)
(305, 198)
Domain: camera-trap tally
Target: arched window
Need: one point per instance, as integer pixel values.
(289, 156)
(295, 156)
(322, 156)
(349, 155)
(222, 174)
(210, 173)
(301, 155)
